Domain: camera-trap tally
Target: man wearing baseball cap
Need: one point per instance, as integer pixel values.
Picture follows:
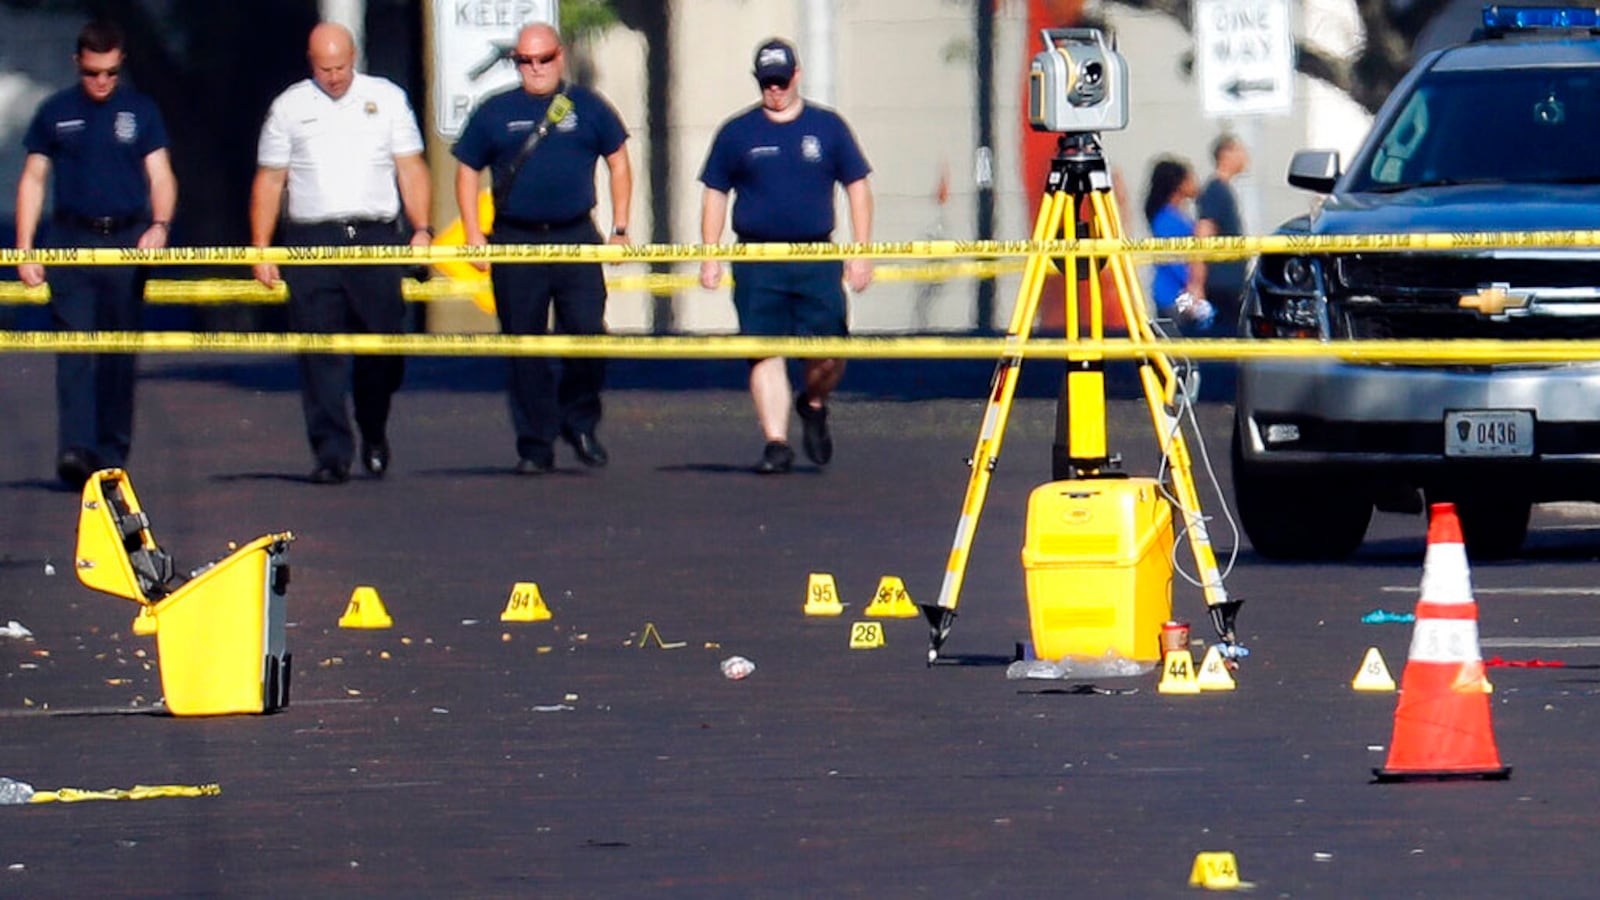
(781, 160)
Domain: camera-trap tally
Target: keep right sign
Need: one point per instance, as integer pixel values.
(1244, 51)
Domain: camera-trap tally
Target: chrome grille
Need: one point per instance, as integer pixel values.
(1378, 273)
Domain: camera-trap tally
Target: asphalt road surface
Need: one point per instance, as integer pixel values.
(456, 755)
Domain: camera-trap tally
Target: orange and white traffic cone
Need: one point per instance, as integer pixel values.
(1441, 725)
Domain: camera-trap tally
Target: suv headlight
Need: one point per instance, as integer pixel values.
(1287, 298)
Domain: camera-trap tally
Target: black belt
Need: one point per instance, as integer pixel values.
(530, 225)
(99, 224)
(350, 226)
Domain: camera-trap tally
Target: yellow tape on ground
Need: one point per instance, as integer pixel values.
(1192, 247)
(137, 792)
(744, 347)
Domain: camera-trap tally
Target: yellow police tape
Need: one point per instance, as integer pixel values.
(1190, 247)
(137, 792)
(746, 347)
(209, 291)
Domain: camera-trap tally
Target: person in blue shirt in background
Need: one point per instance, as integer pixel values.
(781, 159)
(1177, 288)
(549, 198)
(107, 147)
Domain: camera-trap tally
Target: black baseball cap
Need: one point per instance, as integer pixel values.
(775, 61)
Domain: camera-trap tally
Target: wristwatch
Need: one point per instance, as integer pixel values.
(423, 229)
(620, 231)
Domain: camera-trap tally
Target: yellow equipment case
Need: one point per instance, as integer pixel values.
(219, 630)
(1097, 557)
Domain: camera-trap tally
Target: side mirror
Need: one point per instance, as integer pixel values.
(1314, 170)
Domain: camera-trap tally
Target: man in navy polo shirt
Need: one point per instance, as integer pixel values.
(550, 199)
(114, 187)
(781, 159)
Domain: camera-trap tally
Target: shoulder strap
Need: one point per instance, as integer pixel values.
(560, 105)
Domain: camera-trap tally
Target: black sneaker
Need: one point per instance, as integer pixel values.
(74, 468)
(776, 459)
(375, 457)
(814, 421)
(330, 474)
(526, 466)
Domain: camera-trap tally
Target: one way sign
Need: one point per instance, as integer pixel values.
(1244, 50)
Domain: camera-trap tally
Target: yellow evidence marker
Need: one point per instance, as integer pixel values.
(866, 635)
(525, 604)
(1373, 674)
(365, 610)
(891, 601)
(1214, 674)
(1215, 872)
(1177, 673)
(822, 596)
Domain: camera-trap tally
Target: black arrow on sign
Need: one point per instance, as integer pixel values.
(1239, 87)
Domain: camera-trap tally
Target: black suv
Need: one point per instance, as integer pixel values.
(1499, 134)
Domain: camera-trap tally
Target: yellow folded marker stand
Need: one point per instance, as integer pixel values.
(219, 630)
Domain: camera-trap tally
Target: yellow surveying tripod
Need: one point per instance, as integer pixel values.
(1078, 205)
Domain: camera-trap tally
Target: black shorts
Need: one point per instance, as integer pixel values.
(803, 299)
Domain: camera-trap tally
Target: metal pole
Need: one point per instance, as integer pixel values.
(352, 14)
(816, 22)
(984, 158)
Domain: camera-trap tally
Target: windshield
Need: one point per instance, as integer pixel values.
(1498, 125)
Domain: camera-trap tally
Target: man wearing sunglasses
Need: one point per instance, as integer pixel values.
(345, 147)
(781, 159)
(106, 145)
(542, 140)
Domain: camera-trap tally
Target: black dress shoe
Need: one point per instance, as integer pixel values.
(814, 422)
(776, 459)
(375, 457)
(74, 468)
(330, 475)
(527, 466)
(588, 448)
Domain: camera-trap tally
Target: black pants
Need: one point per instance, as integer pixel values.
(94, 391)
(541, 407)
(361, 299)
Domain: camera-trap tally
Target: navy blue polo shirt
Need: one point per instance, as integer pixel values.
(782, 173)
(97, 149)
(556, 184)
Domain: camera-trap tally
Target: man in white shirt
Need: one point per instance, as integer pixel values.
(346, 147)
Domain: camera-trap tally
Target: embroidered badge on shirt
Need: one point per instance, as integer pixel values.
(811, 148)
(125, 127)
(371, 108)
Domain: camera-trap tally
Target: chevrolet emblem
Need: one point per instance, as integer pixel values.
(1495, 299)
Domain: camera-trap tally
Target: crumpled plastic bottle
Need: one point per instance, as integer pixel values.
(1111, 665)
(13, 792)
(1196, 311)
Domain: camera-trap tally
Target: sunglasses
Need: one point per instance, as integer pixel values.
(86, 72)
(545, 60)
(781, 84)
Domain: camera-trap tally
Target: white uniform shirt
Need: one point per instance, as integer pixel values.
(340, 153)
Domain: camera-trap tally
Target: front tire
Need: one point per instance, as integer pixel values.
(1297, 518)
(1493, 527)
